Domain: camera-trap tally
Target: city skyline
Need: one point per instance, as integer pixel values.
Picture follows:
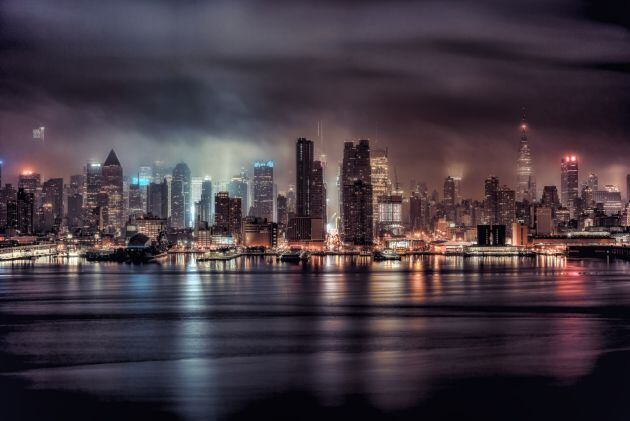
(453, 96)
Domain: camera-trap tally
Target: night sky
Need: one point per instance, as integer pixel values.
(222, 83)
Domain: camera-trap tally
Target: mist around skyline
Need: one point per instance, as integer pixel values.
(219, 85)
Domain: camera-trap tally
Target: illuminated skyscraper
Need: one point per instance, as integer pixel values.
(526, 183)
(157, 199)
(92, 184)
(357, 205)
(112, 187)
(263, 190)
(568, 180)
(304, 152)
(381, 183)
(506, 208)
(239, 187)
(180, 197)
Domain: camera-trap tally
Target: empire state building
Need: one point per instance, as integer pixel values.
(526, 183)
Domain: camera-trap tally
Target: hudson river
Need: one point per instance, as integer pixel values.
(433, 337)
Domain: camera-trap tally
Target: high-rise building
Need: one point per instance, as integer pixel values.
(628, 188)
(203, 208)
(593, 181)
(506, 208)
(282, 211)
(239, 187)
(157, 200)
(450, 198)
(550, 197)
(227, 215)
(568, 180)
(317, 205)
(92, 184)
(135, 199)
(112, 186)
(25, 211)
(304, 152)
(381, 182)
(389, 214)
(356, 194)
(52, 193)
(490, 202)
(180, 197)
(526, 183)
(263, 190)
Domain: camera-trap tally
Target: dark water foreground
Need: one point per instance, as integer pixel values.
(427, 338)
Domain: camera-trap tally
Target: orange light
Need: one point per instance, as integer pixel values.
(27, 172)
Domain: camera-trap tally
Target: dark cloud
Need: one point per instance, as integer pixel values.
(221, 83)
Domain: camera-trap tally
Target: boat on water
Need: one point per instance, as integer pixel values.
(295, 255)
(386, 254)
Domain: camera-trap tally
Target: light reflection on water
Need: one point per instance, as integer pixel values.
(207, 338)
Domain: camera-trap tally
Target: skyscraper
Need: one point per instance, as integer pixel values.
(449, 199)
(506, 209)
(25, 211)
(568, 180)
(203, 208)
(92, 185)
(304, 151)
(490, 202)
(239, 187)
(157, 199)
(52, 193)
(263, 190)
(550, 197)
(112, 186)
(526, 183)
(356, 194)
(180, 197)
(227, 215)
(381, 183)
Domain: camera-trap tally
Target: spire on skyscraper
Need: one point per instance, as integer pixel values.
(526, 183)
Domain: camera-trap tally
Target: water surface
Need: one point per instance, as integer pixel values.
(433, 337)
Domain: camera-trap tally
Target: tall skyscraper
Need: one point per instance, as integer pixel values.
(490, 202)
(381, 182)
(52, 194)
(449, 199)
(203, 208)
(304, 152)
(180, 197)
(568, 180)
(283, 213)
(506, 208)
(25, 211)
(92, 184)
(112, 186)
(526, 183)
(157, 199)
(239, 187)
(31, 182)
(356, 194)
(263, 190)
